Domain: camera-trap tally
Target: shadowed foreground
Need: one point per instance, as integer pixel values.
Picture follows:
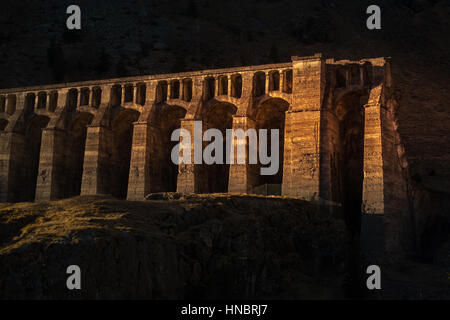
(198, 246)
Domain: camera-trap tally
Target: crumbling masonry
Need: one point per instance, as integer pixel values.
(113, 136)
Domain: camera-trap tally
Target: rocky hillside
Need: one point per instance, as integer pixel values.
(198, 246)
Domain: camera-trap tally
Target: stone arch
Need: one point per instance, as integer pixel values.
(341, 78)
(128, 92)
(74, 147)
(354, 74)
(236, 86)
(287, 83)
(175, 89)
(347, 156)
(122, 135)
(42, 100)
(96, 97)
(161, 92)
(274, 80)
(11, 104)
(30, 100)
(259, 84)
(269, 114)
(116, 95)
(164, 171)
(209, 88)
(53, 101)
(31, 152)
(217, 115)
(84, 96)
(187, 90)
(141, 89)
(72, 99)
(222, 85)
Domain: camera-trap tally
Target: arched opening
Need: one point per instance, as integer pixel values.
(348, 159)
(218, 116)
(72, 98)
(366, 73)
(128, 92)
(53, 101)
(116, 95)
(223, 85)
(165, 171)
(2, 103)
(355, 75)
(274, 81)
(187, 89)
(84, 97)
(287, 83)
(161, 92)
(341, 81)
(259, 84)
(30, 165)
(122, 130)
(70, 183)
(270, 114)
(175, 89)
(209, 88)
(42, 100)
(141, 93)
(236, 86)
(30, 101)
(96, 97)
(11, 104)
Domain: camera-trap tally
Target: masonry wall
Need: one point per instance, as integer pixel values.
(310, 92)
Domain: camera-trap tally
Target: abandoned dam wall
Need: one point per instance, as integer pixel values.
(338, 134)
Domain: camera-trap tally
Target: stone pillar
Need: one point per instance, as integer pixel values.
(282, 80)
(301, 154)
(47, 100)
(216, 87)
(122, 96)
(51, 178)
(11, 155)
(78, 97)
(90, 93)
(190, 178)
(139, 180)
(267, 84)
(302, 145)
(169, 90)
(242, 177)
(373, 191)
(135, 94)
(97, 165)
(145, 175)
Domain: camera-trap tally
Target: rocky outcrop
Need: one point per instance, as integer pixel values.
(199, 246)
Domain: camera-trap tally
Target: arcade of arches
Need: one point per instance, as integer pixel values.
(114, 137)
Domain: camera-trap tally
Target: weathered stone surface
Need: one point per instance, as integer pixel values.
(203, 246)
(338, 134)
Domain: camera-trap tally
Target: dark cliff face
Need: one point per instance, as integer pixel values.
(203, 247)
